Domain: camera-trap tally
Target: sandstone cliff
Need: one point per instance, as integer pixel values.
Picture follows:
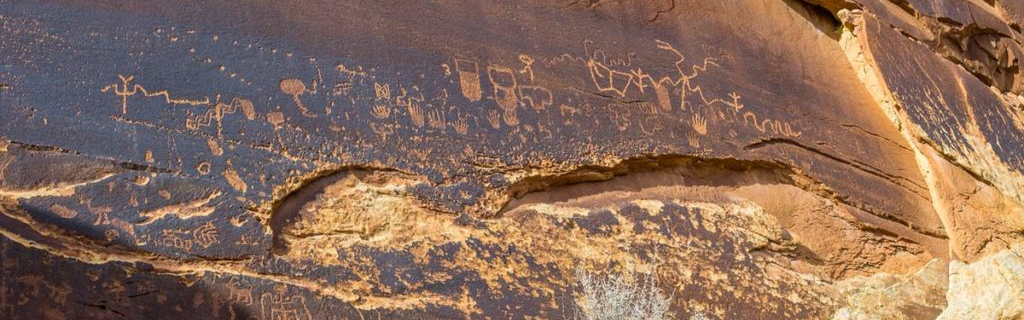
(330, 159)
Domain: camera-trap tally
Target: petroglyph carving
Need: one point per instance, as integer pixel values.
(234, 180)
(380, 111)
(663, 97)
(412, 105)
(102, 213)
(469, 79)
(124, 226)
(650, 120)
(111, 234)
(536, 97)
(607, 79)
(247, 109)
(692, 140)
(415, 113)
(527, 65)
(193, 120)
(351, 73)
(126, 89)
(186, 240)
(494, 119)
(203, 168)
(700, 125)
(238, 292)
(504, 82)
(622, 116)
(764, 125)
(460, 125)
(205, 235)
(277, 306)
(383, 91)
(63, 212)
(180, 239)
(510, 117)
(214, 147)
(295, 88)
(276, 119)
(436, 119)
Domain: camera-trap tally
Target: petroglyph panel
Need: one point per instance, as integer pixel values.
(168, 139)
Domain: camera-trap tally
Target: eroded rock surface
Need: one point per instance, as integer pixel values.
(763, 159)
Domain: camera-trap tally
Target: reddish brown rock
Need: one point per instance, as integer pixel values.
(272, 160)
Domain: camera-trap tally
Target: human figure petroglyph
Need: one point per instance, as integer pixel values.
(193, 120)
(610, 80)
(527, 65)
(503, 80)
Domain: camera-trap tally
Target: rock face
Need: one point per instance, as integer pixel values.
(762, 159)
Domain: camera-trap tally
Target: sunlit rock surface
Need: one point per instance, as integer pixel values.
(331, 159)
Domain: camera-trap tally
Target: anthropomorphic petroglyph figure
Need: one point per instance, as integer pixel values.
(469, 79)
(504, 82)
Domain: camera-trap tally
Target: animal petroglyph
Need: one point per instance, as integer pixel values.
(608, 79)
(536, 97)
(238, 292)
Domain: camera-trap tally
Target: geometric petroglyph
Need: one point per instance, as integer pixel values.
(469, 79)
